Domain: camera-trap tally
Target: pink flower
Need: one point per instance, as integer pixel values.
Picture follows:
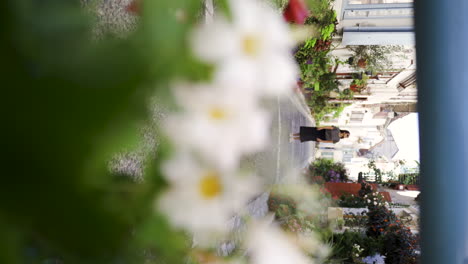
(296, 11)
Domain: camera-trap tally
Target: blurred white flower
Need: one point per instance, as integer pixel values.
(254, 50)
(267, 244)
(368, 201)
(202, 199)
(219, 123)
(375, 203)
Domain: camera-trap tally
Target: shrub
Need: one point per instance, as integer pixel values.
(344, 244)
(379, 219)
(400, 245)
(385, 232)
(352, 220)
(351, 201)
(281, 205)
(318, 78)
(328, 169)
(366, 189)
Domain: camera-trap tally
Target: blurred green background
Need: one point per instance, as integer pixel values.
(69, 101)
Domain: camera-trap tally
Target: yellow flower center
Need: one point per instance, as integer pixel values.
(217, 113)
(210, 185)
(251, 45)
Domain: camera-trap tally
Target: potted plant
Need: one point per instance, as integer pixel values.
(359, 83)
(374, 58)
(362, 63)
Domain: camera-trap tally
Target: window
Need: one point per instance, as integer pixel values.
(348, 155)
(356, 116)
(373, 9)
(327, 155)
(368, 2)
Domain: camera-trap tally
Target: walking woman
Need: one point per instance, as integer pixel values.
(326, 134)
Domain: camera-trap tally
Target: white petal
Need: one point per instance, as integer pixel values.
(268, 245)
(213, 42)
(280, 74)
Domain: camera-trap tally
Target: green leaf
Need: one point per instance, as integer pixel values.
(317, 86)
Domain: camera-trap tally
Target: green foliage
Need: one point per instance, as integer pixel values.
(290, 218)
(408, 178)
(281, 205)
(72, 103)
(327, 31)
(355, 220)
(400, 245)
(360, 81)
(317, 76)
(366, 189)
(351, 201)
(343, 246)
(279, 4)
(323, 167)
(378, 57)
(322, 108)
(378, 172)
(385, 233)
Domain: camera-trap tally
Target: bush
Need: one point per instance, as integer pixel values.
(328, 169)
(351, 201)
(385, 232)
(400, 245)
(379, 219)
(344, 243)
(318, 78)
(281, 205)
(352, 220)
(366, 189)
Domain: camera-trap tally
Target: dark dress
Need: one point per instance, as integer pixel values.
(311, 134)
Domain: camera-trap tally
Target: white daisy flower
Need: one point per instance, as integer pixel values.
(220, 124)
(375, 203)
(368, 201)
(268, 245)
(254, 50)
(202, 199)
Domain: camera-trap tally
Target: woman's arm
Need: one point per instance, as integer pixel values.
(325, 127)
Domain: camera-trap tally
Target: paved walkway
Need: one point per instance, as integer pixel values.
(403, 197)
(282, 160)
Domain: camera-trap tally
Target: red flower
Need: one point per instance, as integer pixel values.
(354, 88)
(296, 11)
(133, 7)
